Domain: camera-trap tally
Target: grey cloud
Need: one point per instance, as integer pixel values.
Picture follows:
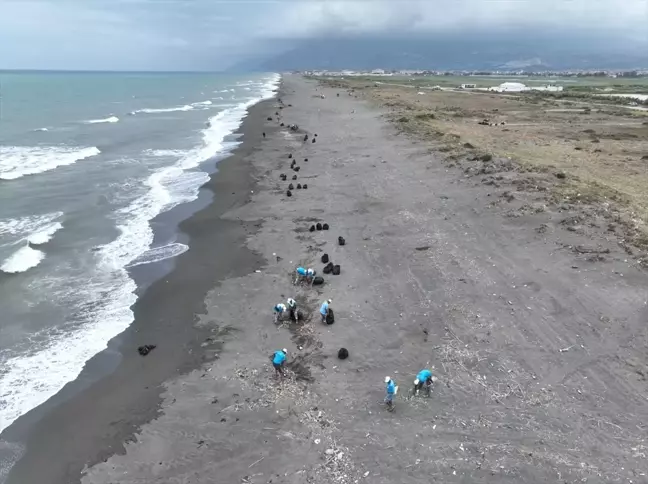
(212, 34)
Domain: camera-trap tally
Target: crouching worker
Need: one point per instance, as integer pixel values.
(279, 312)
(302, 274)
(278, 360)
(423, 380)
(292, 308)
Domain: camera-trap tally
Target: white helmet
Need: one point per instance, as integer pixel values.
(330, 301)
(285, 350)
(416, 382)
(387, 379)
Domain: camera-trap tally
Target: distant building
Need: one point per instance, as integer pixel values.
(519, 87)
(468, 86)
(510, 87)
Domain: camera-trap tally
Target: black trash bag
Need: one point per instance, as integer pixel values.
(312, 228)
(305, 137)
(305, 186)
(145, 350)
(330, 317)
(294, 177)
(336, 270)
(328, 268)
(291, 187)
(318, 226)
(279, 125)
(325, 259)
(290, 155)
(343, 353)
(297, 168)
(299, 186)
(318, 281)
(325, 227)
(313, 140)
(341, 240)
(306, 160)
(288, 193)
(269, 118)
(315, 135)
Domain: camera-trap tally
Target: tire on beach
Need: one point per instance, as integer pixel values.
(318, 281)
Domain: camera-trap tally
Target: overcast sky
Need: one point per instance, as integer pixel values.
(212, 34)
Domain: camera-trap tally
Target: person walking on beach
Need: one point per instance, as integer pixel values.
(278, 360)
(279, 312)
(324, 310)
(292, 307)
(304, 274)
(390, 392)
(423, 379)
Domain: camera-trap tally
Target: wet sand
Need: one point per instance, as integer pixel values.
(539, 357)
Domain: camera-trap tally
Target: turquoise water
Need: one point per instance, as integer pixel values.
(87, 160)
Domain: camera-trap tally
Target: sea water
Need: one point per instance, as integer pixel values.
(87, 160)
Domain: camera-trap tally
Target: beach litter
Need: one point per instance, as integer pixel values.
(145, 349)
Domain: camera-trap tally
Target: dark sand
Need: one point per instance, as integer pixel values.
(539, 354)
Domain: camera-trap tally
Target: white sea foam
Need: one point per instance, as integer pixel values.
(23, 227)
(165, 153)
(41, 129)
(28, 380)
(186, 107)
(202, 103)
(19, 161)
(22, 260)
(21, 232)
(44, 235)
(111, 119)
(158, 254)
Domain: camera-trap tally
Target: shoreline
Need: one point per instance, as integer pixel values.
(118, 377)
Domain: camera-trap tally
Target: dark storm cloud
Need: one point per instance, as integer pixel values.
(211, 34)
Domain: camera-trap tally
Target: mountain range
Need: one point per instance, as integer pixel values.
(455, 52)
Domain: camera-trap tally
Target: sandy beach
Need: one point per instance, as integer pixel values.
(538, 350)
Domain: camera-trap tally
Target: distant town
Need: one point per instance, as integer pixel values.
(522, 73)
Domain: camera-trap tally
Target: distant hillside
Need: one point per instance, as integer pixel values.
(451, 53)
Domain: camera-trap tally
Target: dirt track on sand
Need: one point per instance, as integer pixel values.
(539, 348)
